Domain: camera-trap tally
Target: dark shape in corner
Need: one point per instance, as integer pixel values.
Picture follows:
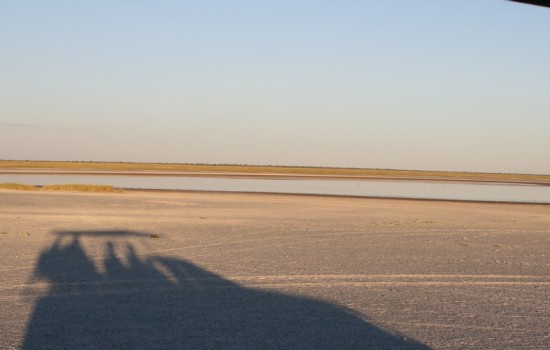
(164, 303)
(534, 2)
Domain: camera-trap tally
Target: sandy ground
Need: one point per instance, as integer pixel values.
(215, 270)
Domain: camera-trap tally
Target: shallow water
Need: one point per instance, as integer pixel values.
(498, 192)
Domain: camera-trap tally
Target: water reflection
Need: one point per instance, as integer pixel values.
(370, 188)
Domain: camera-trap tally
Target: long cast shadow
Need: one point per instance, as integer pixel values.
(164, 303)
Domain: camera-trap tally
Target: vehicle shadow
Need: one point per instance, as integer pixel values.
(155, 302)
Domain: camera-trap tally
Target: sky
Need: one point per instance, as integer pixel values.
(457, 85)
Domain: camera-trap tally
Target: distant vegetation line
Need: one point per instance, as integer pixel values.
(266, 169)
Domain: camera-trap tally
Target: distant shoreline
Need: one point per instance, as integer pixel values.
(296, 176)
(23, 167)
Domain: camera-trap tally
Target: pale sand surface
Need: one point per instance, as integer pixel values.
(230, 270)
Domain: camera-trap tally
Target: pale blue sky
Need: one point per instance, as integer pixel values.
(424, 84)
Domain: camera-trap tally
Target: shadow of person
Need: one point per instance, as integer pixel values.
(161, 303)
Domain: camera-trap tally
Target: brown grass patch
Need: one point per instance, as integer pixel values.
(66, 187)
(21, 187)
(80, 188)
